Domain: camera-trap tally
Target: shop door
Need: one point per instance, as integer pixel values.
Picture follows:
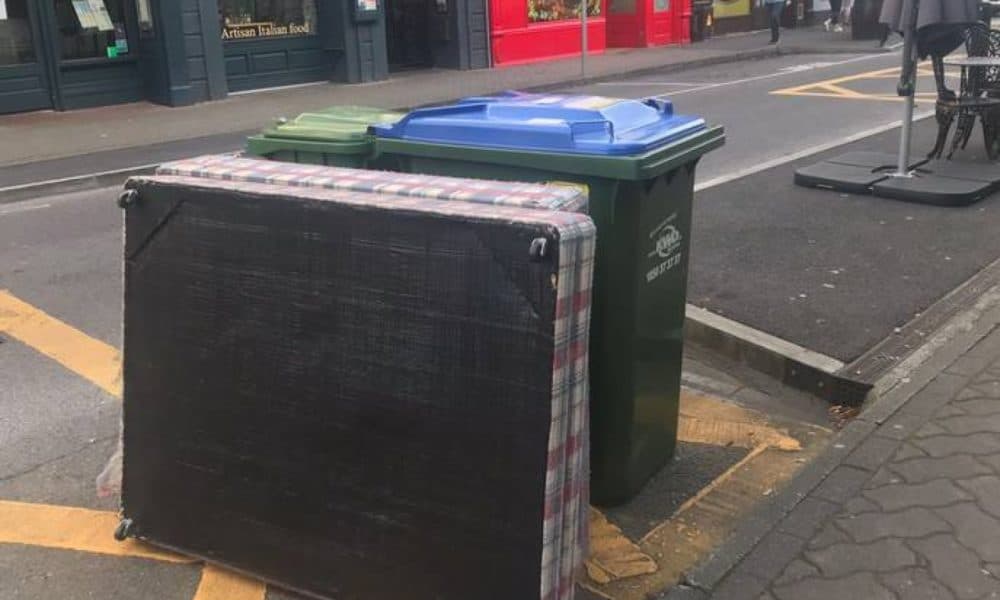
(24, 77)
(408, 32)
(94, 45)
(662, 24)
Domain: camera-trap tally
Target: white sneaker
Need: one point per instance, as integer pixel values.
(826, 24)
(838, 28)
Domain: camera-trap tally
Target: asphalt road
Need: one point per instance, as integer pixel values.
(61, 255)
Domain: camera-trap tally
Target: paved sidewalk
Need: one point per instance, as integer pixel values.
(913, 513)
(50, 135)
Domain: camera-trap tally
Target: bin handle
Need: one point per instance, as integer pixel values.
(582, 127)
(662, 106)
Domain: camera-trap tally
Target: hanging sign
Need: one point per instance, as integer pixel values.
(93, 14)
(245, 31)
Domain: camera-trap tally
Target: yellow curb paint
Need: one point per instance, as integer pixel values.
(219, 584)
(91, 359)
(70, 528)
(612, 555)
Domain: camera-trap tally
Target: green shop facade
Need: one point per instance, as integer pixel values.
(68, 54)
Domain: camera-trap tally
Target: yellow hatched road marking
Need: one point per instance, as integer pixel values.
(80, 529)
(92, 359)
(219, 584)
(71, 528)
(834, 88)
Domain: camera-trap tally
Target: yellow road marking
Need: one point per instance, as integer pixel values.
(218, 584)
(80, 529)
(92, 359)
(70, 528)
(612, 555)
(694, 500)
(834, 88)
(742, 434)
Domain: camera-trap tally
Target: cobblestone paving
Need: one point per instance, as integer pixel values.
(912, 514)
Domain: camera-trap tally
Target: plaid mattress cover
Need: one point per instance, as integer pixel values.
(553, 196)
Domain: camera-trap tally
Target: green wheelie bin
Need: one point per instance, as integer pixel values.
(637, 160)
(337, 136)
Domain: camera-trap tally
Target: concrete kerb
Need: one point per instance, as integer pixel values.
(698, 63)
(793, 365)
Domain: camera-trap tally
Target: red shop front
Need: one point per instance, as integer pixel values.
(523, 31)
(641, 23)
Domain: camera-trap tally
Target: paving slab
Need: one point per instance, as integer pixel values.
(935, 535)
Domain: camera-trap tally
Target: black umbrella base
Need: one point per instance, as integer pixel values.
(937, 182)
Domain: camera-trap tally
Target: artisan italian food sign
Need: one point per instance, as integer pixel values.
(246, 31)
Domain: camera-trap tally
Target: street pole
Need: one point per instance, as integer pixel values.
(907, 88)
(585, 8)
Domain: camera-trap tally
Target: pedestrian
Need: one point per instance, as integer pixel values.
(833, 21)
(774, 10)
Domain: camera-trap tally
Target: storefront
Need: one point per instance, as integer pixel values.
(750, 15)
(524, 31)
(641, 23)
(66, 54)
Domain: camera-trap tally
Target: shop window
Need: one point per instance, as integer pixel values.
(251, 19)
(15, 33)
(558, 10)
(92, 29)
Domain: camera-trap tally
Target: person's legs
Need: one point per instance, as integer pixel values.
(776, 9)
(835, 7)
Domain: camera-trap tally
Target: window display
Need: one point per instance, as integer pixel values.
(92, 29)
(250, 19)
(558, 10)
(15, 33)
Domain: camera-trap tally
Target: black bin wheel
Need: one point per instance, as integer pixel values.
(124, 530)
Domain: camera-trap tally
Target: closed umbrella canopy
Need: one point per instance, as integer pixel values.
(939, 22)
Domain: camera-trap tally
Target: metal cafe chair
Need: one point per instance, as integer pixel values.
(973, 99)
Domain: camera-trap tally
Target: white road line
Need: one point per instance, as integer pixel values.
(21, 209)
(677, 83)
(14, 188)
(781, 160)
(781, 73)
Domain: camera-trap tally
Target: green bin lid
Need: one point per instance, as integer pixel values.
(337, 124)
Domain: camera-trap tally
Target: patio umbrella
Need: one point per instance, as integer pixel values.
(928, 27)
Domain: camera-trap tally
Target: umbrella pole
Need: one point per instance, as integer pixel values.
(907, 89)
(903, 169)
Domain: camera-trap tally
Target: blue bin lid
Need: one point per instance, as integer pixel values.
(570, 124)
